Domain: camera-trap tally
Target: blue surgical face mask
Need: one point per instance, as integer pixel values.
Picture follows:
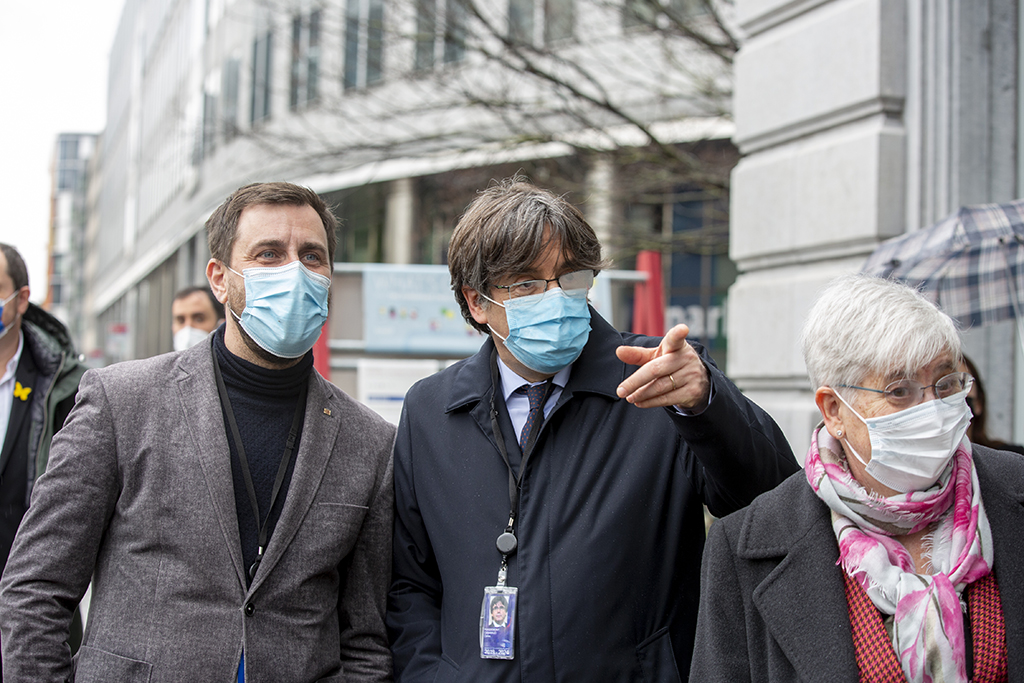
(4, 329)
(285, 308)
(547, 332)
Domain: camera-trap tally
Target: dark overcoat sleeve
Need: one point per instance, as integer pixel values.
(414, 613)
(740, 451)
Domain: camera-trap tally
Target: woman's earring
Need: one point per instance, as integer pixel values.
(839, 434)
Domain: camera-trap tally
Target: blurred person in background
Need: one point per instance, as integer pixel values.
(41, 372)
(897, 554)
(195, 313)
(978, 403)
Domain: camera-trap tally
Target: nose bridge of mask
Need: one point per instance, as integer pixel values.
(517, 311)
(249, 275)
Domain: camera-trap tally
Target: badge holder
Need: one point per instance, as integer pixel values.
(498, 618)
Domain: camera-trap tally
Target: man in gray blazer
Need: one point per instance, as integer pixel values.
(232, 508)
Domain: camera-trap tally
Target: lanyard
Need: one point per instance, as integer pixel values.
(506, 542)
(282, 469)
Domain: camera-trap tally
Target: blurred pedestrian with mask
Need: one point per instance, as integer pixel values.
(195, 313)
(897, 554)
(977, 401)
(41, 372)
(565, 463)
(232, 508)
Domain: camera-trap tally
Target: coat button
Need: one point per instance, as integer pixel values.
(250, 609)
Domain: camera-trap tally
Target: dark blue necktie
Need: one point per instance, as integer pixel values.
(535, 419)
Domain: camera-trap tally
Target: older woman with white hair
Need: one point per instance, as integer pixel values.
(897, 554)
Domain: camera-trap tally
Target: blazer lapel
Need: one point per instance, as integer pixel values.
(1002, 493)
(26, 376)
(320, 429)
(803, 600)
(197, 391)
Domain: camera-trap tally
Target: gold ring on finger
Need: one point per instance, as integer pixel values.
(673, 381)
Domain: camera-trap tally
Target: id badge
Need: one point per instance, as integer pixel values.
(498, 622)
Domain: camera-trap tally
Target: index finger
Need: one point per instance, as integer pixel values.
(674, 339)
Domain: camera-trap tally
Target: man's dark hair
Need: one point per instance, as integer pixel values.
(15, 266)
(222, 225)
(499, 600)
(218, 307)
(503, 232)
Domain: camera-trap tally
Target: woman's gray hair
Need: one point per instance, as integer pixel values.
(862, 325)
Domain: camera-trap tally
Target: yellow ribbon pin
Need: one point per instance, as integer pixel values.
(21, 392)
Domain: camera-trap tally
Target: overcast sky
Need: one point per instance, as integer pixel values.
(54, 56)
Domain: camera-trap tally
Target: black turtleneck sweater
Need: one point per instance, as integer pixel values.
(263, 402)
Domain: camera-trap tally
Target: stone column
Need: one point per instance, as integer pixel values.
(857, 120)
(398, 220)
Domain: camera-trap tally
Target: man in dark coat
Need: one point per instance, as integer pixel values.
(582, 498)
(39, 375)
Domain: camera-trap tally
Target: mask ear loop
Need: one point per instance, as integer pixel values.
(839, 433)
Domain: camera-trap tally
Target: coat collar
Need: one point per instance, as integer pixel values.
(1002, 493)
(197, 391)
(598, 370)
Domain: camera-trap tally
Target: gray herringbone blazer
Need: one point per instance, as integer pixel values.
(139, 498)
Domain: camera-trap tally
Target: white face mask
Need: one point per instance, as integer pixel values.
(188, 337)
(911, 448)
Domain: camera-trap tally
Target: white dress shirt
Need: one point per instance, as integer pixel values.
(7, 387)
(518, 403)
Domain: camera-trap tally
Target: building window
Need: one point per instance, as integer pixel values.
(364, 43)
(455, 32)
(67, 178)
(207, 138)
(554, 18)
(262, 50)
(69, 148)
(305, 59)
(440, 33)
(636, 13)
(229, 95)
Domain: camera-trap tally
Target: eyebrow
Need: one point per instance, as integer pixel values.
(281, 244)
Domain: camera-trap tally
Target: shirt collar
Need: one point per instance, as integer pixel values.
(510, 381)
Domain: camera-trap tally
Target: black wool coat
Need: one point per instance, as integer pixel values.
(773, 604)
(610, 528)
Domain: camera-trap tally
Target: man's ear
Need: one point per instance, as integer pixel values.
(216, 272)
(21, 301)
(477, 304)
(828, 404)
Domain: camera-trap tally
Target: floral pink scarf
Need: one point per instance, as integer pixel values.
(928, 633)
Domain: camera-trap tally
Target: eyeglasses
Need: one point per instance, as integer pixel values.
(575, 283)
(904, 393)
